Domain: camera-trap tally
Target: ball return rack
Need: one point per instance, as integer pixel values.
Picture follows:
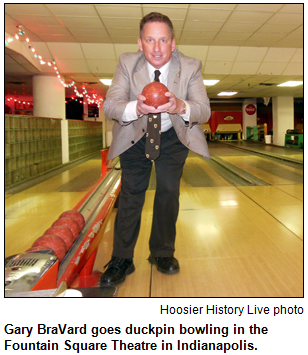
(40, 274)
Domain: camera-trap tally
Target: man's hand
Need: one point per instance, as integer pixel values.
(142, 108)
(174, 105)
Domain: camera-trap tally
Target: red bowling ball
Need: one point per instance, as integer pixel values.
(76, 216)
(53, 242)
(64, 233)
(155, 94)
(70, 224)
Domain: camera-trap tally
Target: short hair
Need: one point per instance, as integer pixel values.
(156, 17)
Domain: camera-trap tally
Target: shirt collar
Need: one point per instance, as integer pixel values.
(163, 72)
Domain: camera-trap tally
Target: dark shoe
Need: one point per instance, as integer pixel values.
(117, 269)
(166, 265)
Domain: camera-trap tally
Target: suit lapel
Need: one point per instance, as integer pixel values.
(141, 75)
(174, 75)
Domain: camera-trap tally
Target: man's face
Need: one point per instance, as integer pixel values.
(156, 43)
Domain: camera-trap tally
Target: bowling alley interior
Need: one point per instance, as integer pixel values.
(239, 232)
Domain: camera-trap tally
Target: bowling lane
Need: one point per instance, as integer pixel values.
(286, 208)
(228, 245)
(29, 213)
(272, 172)
(289, 152)
(299, 156)
(296, 191)
(229, 242)
(284, 198)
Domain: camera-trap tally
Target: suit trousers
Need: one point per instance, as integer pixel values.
(136, 172)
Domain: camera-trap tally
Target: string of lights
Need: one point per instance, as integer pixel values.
(84, 94)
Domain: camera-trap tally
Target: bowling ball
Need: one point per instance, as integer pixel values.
(52, 242)
(70, 224)
(64, 233)
(76, 216)
(155, 94)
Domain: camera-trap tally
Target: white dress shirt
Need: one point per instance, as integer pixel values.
(130, 110)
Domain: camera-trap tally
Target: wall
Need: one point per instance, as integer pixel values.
(84, 138)
(33, 145)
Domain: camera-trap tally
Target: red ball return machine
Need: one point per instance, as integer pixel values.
(49, 268)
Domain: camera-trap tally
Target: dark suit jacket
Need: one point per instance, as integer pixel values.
(184, 80)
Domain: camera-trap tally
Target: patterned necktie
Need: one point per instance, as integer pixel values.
(152, 143)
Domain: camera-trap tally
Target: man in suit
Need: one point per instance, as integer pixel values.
(179, 129)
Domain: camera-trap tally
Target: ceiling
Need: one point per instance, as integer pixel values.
(250, 48)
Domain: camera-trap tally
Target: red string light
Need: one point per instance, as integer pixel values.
(21, 32)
